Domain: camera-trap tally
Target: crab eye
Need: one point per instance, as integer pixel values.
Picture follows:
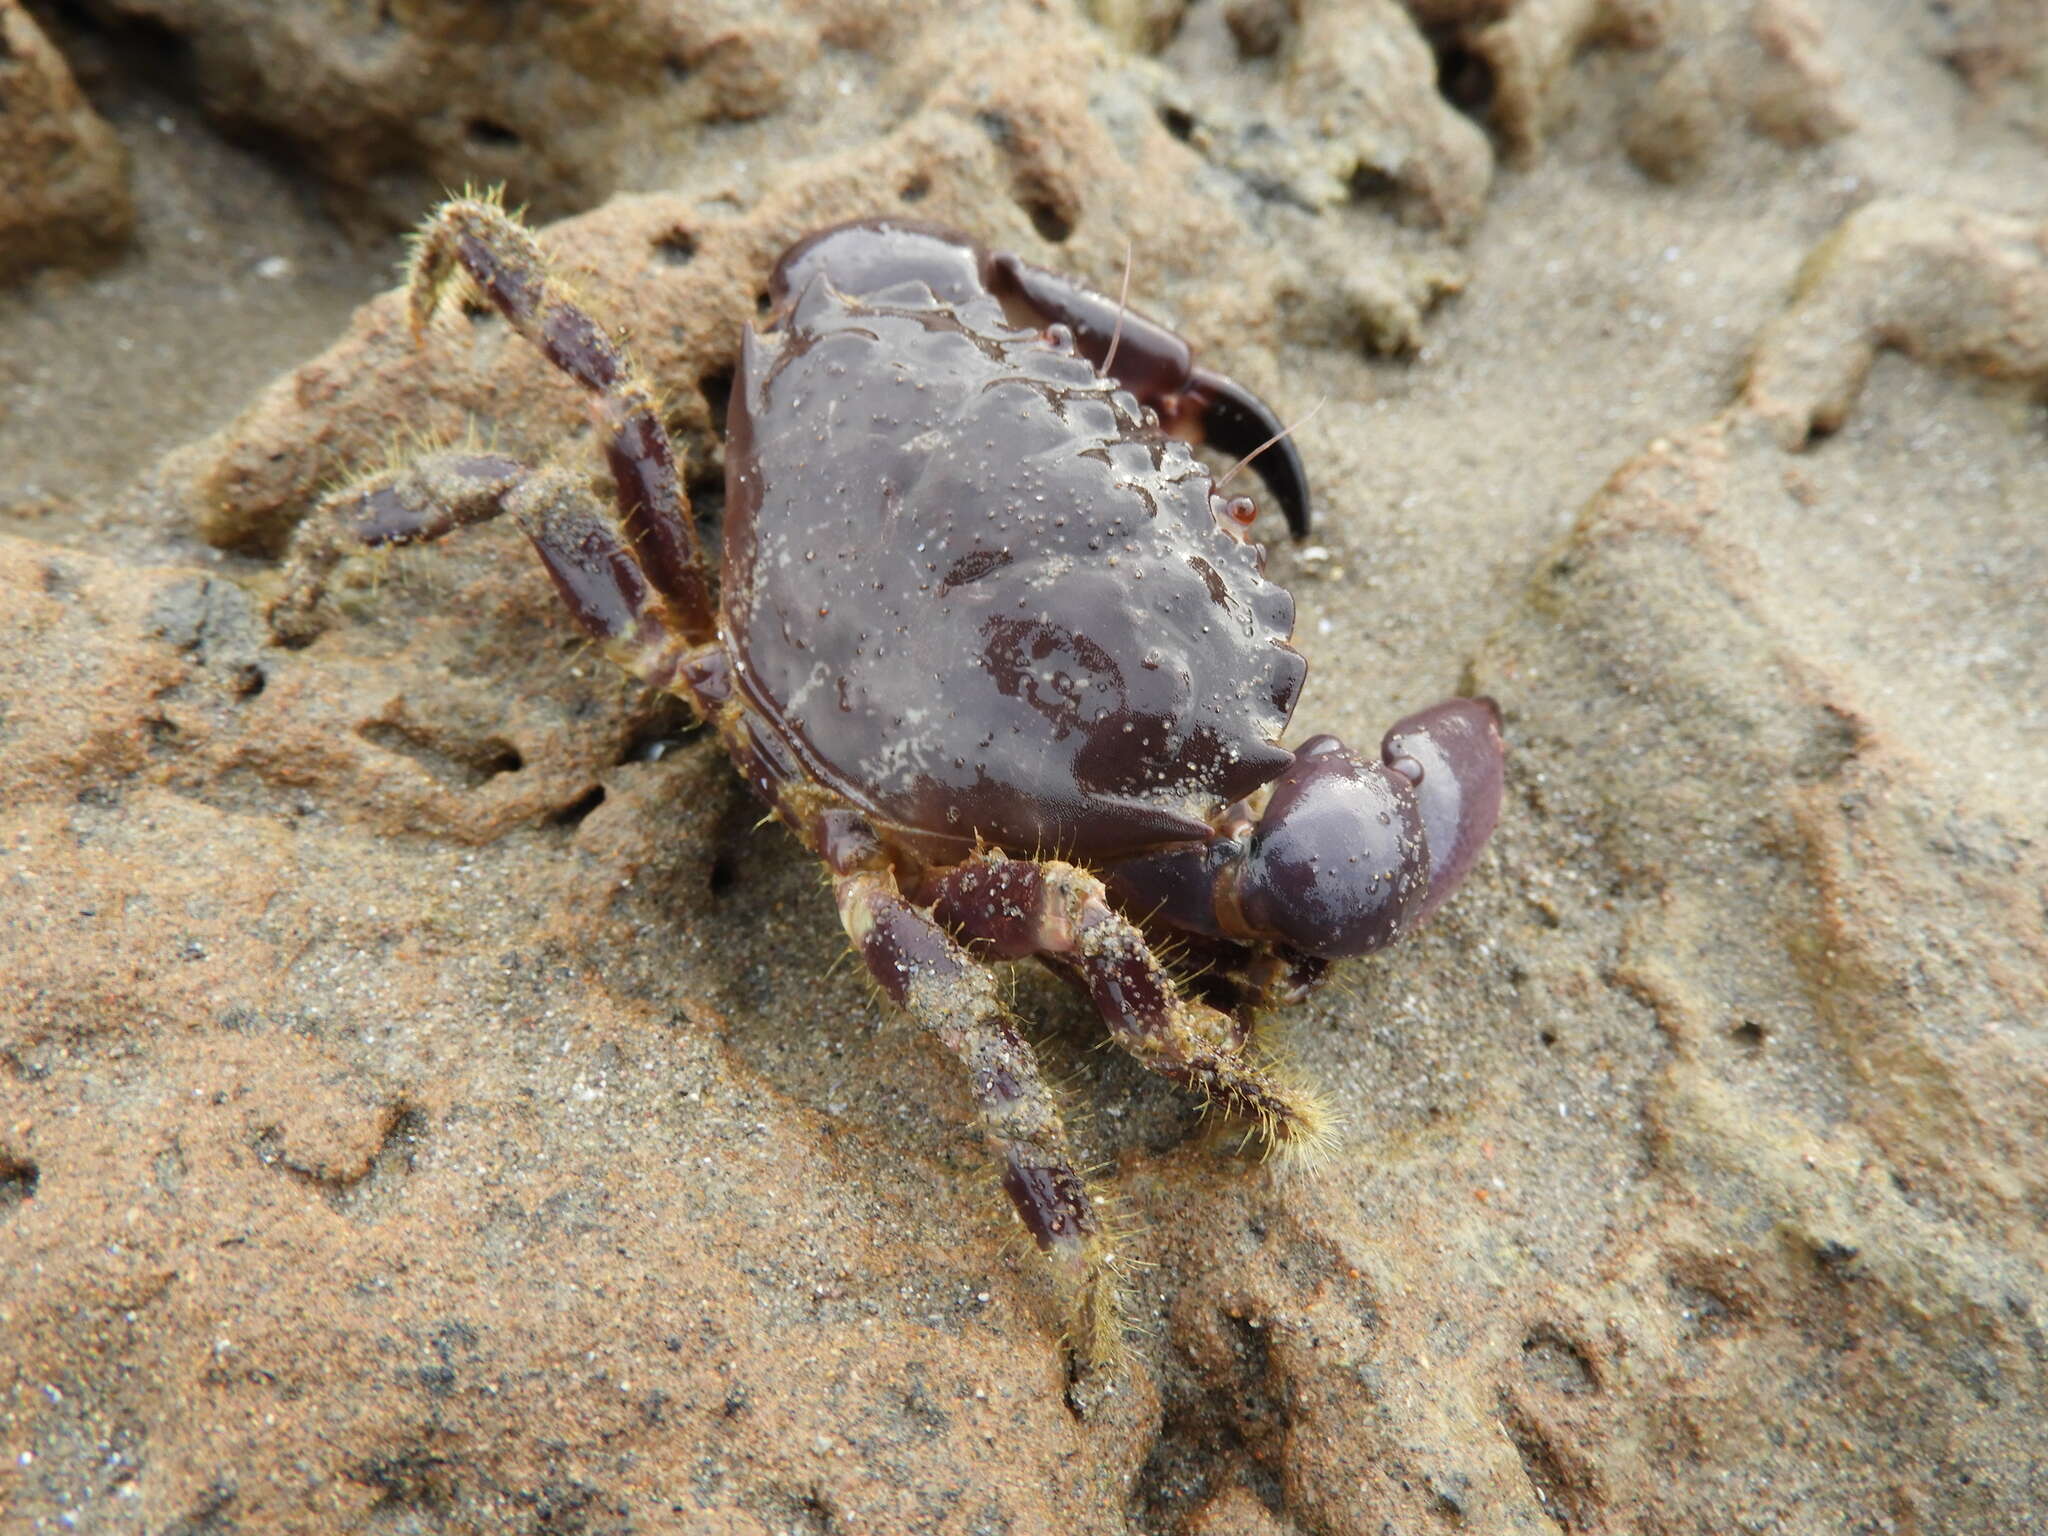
(1059, 337)
(1234, 513)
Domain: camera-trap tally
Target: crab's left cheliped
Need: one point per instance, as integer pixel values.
(1039, 627)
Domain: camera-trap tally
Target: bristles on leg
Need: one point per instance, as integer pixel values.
(431, 263)
(1306, 1134)
(1092, 1283)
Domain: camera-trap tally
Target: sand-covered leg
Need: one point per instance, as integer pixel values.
(1016, 907)
(954, 997)
(477, 236)
(427, 498)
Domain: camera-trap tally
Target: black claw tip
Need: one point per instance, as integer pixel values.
(1236, 421)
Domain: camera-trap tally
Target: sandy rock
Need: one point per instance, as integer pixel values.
(1835, 1051)
(2001, 48)
(262, 960)
(1676, 122)
(1767, 72)
(391, 104)
(1258, 26)
(1347, 111)
(1365, 80)
(63, 176)
(1790, 90)
(1523, 56)
(1144, 26)
(1949, 285)
(1695, 73)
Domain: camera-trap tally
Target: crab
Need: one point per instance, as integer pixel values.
(993, 643)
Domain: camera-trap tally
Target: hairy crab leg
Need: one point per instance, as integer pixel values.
(506, 263)
(954, 996)
(602, 582)
(1061, 914)
(425, 499)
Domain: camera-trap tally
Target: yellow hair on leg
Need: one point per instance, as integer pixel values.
(1095, 1307)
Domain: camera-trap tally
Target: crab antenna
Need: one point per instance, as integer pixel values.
(1286, 431)
(1123, 297)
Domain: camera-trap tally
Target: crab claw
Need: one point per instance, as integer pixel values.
(1338, 865)
(1352, 854)
(1451, 754)
(1236, 421)
(1157, 366)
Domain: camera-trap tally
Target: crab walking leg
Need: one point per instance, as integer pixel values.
(954, 997)
(1015, 907)
(425, 499)
(602, 582)
(506, 263)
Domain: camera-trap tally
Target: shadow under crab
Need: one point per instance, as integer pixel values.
(991, 642)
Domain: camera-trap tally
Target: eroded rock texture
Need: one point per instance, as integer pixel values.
(428, 1102)
(63, 176)
(390, 102)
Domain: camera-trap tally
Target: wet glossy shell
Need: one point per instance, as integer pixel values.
(978, 595)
